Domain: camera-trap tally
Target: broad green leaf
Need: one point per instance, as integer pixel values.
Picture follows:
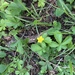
(2, 54)
(59, 12)
(58, 36)
(35, 47)
(2, 68)
(43, 45)
(48, 40)
(51, 31)
(67, 40)
(54, 44)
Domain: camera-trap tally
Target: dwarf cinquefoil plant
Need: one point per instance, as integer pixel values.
(45, 44)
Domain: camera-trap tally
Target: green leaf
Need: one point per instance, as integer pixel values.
(41, 3)
(27, 73)
(3, 5)
(59, 48)
(19, 47)
(44, 69)
(44, 35)
(67, 40)
(49, 66)
(13, 23)
(54, 44)
(43, 45)
(59, 12)
(48, 40)
(70, 45)
(63, 46)
(16, 7)
(58, 36)
(2, 24)
(35, 47)
(57, 25)
(2, 54)
(51, 31)
(73, 29)
(2, 68)
(42, 63)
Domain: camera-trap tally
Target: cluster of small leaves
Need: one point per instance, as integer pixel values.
(53, 43)
(10, 13)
